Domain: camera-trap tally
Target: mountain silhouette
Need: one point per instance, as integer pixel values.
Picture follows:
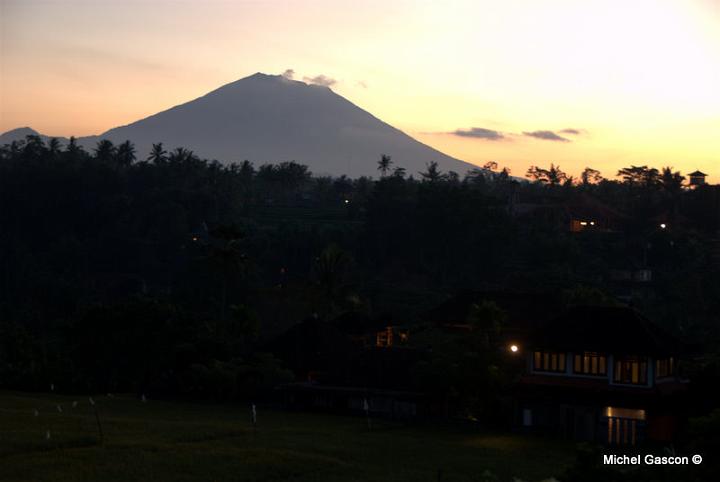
(269, 118)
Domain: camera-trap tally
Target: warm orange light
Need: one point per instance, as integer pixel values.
(514, 348)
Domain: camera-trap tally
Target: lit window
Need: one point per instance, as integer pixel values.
(546, 361)
(590, 363)
(664, 368)
(631, 370)
(384, 338)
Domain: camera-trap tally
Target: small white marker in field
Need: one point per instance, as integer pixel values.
(253, 411)
(52, 387)
(35, 412)
(59, 408)
(74, 404)
(143, 398)
(47, 435)
(92, 402)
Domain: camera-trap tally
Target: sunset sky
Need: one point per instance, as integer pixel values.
(599, 83)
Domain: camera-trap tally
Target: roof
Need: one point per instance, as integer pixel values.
(606, 329)
(588, 207)
(523, 309)
(356, 323)
(697, 173)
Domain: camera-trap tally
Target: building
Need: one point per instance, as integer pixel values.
(603, 374)
(523, 310)
(697, 178)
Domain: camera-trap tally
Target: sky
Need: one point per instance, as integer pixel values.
(599, 83)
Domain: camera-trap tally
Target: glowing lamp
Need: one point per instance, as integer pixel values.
(663, 225)
(514, 348)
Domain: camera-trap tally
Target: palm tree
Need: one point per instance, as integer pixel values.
(399, 172)
(34, 146)
(639, 176)
(432, 174)
(180, 154)
(158, 155)
(125, 154)
(72, 148)
(490, 166)
(104, 151)
(330, 270)
(590, 176)
(227, 257)
(552, 176)
(384, 164)
(671, 181)
(54, 147)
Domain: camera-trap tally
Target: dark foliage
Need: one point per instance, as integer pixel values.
(171, 274)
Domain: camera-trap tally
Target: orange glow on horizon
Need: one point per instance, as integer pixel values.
(617, 83)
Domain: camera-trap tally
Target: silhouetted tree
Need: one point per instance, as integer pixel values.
(590, 176)
(432, 174)
(54, 147)
(490, 166)
(639, 176)
(158, 155)
(180, 155)
(399, 172)
(553, 176)
(384, 164)
(104, 151)
(34, 147)
(330, 271)
(73, 149)
(125, 154)
(670, 180)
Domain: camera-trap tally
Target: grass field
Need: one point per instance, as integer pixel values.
(205, 442)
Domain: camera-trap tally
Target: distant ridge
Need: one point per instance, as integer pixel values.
(269, 118)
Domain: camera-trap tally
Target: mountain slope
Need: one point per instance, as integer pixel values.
(21, 133)
(266, 118)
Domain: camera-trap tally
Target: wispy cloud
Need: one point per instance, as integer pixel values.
(546, 136)
(479, 133)
(321, 79)
(571, 131)
(289, 74)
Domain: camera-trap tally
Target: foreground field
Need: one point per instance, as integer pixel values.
(203, 442)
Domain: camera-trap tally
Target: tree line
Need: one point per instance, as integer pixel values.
(173, 273)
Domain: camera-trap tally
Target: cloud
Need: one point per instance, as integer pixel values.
(321, 79)
(546, 136)
(362, 84)
(289, 74)
(574, 132)
(480, 133)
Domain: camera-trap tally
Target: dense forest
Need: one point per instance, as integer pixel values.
(171, 274)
